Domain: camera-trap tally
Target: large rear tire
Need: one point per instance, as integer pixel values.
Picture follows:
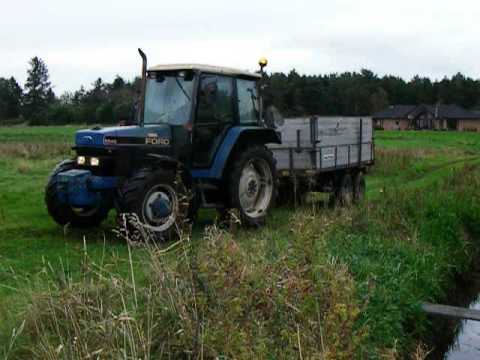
(145, 191)
(63, 213)
(252, 184)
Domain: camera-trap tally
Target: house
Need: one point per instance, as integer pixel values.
(427, 117)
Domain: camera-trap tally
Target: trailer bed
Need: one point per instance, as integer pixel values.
(321, 144)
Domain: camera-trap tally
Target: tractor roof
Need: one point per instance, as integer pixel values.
(205, 68)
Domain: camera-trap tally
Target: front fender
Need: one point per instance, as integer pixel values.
(246, 134)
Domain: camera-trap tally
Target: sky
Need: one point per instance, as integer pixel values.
(83, 40)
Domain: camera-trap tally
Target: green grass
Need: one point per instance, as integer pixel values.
(38, 134)
(453, 141)
(401, 247)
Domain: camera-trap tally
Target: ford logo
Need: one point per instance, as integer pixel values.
(87, 139)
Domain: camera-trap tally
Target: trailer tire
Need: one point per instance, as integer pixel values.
(64, 214)
(343, 195)
(252, 184)
(138, 194)
(359, 187)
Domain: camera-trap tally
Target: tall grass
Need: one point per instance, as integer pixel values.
(205, 300)
(406, 248)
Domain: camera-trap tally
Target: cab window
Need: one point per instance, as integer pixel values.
(215, 102)
(247, 101)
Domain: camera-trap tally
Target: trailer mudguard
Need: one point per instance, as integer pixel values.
(235, 136)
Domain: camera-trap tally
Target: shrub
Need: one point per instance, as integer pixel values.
(60, 114)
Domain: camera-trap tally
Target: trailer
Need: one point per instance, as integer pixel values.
(323, 154)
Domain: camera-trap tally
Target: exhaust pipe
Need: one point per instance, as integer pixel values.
(143, 87)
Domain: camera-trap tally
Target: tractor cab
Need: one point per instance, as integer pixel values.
(200, 103)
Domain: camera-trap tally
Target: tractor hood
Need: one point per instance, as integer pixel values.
(124, 135)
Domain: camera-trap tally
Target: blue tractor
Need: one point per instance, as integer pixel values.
(199, 141)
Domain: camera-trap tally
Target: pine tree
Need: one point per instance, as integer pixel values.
(38, 90)
(10, 98)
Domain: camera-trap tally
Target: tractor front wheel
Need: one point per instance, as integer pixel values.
(252, 184)
(63, 213)
(160, 201)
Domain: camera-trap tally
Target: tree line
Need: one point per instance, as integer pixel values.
(37, 104)
(348, 93)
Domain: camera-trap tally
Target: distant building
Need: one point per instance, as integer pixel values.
(427, 117)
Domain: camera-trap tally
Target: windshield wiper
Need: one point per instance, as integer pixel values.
(183, 90)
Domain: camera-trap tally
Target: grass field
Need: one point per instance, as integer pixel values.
(367, 268)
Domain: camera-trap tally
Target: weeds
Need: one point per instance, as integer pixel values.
(205, 302)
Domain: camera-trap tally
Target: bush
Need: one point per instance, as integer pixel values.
(60, 114)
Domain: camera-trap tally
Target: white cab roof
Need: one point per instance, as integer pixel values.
(204, 68)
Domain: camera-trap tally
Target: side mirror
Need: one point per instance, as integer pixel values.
(273, 117)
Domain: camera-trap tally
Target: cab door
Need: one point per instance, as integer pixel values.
(215, 114)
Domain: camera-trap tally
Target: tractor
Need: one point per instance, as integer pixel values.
(198, 141)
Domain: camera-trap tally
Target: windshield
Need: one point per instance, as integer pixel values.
(168, 98)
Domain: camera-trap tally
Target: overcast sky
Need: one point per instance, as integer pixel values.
(83, 40)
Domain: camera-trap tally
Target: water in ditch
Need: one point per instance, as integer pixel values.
(454, 339)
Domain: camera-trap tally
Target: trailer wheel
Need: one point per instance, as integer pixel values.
(159, 199)
(343, 195)
(63, 213)
(359, 187)
(252, 184)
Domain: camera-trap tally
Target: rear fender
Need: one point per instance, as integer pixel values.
(237, 138)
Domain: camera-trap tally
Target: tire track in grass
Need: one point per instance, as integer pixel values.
(427, 177)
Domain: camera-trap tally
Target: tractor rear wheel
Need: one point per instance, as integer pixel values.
(65, 214)
(160, 201)
(252, 184)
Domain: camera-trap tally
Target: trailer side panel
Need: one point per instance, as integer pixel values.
(324, 143)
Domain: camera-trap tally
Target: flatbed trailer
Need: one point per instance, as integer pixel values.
(325, 154)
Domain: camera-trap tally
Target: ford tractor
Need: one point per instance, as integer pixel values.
(199, 141)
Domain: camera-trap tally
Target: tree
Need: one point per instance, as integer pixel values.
(38, 91)
(118, 83)
(378, 100)
(10, 98)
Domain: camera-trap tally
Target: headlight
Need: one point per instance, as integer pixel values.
(94, 161)
(81, 160)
